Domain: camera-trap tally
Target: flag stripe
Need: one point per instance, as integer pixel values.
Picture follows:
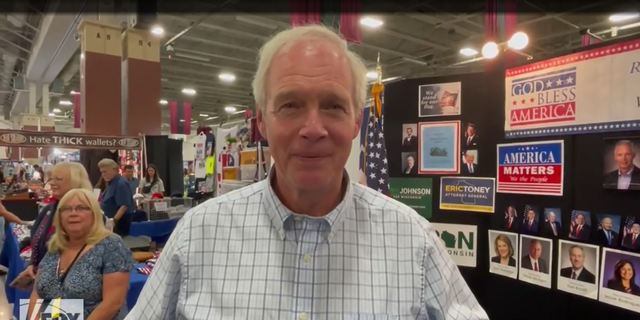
(180, 117)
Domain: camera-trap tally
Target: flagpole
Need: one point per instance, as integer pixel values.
(379, 69)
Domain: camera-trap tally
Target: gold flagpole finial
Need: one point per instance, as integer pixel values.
(379, 69)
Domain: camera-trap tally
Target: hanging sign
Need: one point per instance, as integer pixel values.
(587, 92)
(67, 140)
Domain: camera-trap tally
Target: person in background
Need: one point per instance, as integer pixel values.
(1, 174)
(38, 173)
(624, 278)
(117, 200)
(48, 176)
(310, 91)
(102, 186)
(66, 176)
(84, 261)
(133, 182)
(151, 183)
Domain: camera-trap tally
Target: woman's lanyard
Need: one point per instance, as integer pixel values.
(66, 272)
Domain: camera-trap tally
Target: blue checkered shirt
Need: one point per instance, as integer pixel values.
(244, 255)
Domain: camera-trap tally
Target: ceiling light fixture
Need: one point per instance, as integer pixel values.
(203, 115)
(230, 109)
(227, 77)
(157, 30)
(56, 110)
(468, 52)
(371, 22)
(372, 75)
(51, 114)
(518, 41)
(192, 57)
(619, 17)
(490, 50)
(65, 103)
(163, 101)
(189, 91)
(73, 93)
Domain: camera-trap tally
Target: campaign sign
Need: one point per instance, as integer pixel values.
(531, 168)
(467, 194)
(58, 309)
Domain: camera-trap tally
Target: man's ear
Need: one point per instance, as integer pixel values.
(358, 124)
(260, 119)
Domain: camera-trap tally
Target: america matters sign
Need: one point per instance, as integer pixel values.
(592, 91)
(17, 138)
(531, 168)
(460, 240)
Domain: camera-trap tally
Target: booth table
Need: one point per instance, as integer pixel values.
(10, 258)
(158, 230)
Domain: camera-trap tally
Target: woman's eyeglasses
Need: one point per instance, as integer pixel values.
(79, 209)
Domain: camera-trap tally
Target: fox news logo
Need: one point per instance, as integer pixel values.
(63, 309)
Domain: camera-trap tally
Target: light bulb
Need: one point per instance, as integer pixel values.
(518, 41)
(490, 50)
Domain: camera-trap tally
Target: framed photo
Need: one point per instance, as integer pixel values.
(439, 147)
(578, 268)
(619, 282)
(442, 99)
(536, 260)
(621, 168)
(503, 253)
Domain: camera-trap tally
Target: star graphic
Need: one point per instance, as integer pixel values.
(523, 101)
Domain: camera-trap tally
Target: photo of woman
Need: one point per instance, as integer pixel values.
(504, 251)
(624, 278)
(619, 285)
(503, 248)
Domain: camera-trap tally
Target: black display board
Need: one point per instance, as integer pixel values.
(482, 97)
(166, 155)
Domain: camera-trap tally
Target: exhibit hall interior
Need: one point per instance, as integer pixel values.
(311, 160)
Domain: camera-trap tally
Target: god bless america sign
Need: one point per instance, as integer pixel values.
(531, 168)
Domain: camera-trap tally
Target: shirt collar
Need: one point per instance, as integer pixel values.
(115, 179)
(280, 214)
(628, 174)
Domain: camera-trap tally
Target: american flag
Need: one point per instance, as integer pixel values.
(525, 216)
(373, 158)
(628, 223)
(574, 215)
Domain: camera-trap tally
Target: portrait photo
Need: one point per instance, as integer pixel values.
(631, 233)
(503, 253)
(469, 165)
(580, 226)
(470, 137)
(621, 166)
(442, 99)
(410, 136)
(535, 260)
(619, 283)
(409, 163)
(578, 268)
(608, 232)
(510, 221)
(530, 219)
(552, 224)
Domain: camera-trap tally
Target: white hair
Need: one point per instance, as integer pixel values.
(291, 36)
(107, 163)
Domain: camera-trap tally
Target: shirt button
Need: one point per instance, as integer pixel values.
(306, 258)
(302, 316)
(281, 233)
(330, 236)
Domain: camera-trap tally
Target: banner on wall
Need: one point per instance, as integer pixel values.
(460, 240)
(467, 194)
(66, 140)
(531, 168)
(588, 92)
(417, 193)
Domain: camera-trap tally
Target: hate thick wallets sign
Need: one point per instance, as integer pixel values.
(67, 140)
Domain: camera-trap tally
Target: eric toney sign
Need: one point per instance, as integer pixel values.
(67, 140)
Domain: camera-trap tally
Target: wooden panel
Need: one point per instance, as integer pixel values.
(142, 45)
(100, 38)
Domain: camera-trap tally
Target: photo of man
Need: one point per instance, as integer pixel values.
(469, 163)
(409, 138)
(469, 138)
(607, 234)
(534, 255)
(572, 257)
(580, 227)
(530, 220)
(620, 165)
(409, 164)
(631, 234)
(511, 222)
(552, 226)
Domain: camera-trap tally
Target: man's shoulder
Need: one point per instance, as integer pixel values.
(249, 195)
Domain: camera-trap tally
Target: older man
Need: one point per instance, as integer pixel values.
(606, 236)
(117, 200)
(306, 243)
(632, 239)
(626, 176)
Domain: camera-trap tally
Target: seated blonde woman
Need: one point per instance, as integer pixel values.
(84, 260)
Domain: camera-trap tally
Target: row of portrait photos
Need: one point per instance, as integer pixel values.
(582, 270)
(610, 230)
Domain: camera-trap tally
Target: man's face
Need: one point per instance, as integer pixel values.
(635, 228)
(128, 173)
(535, 250)
(624, 157)
(552, 217)
(108, 173)
(471, 131)
(580, 219)
(531, 215)
(577, 258)
(409, 132)
(511, 212)
(410, 161)
(310, 119)
(469, 158)
(606, 224)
